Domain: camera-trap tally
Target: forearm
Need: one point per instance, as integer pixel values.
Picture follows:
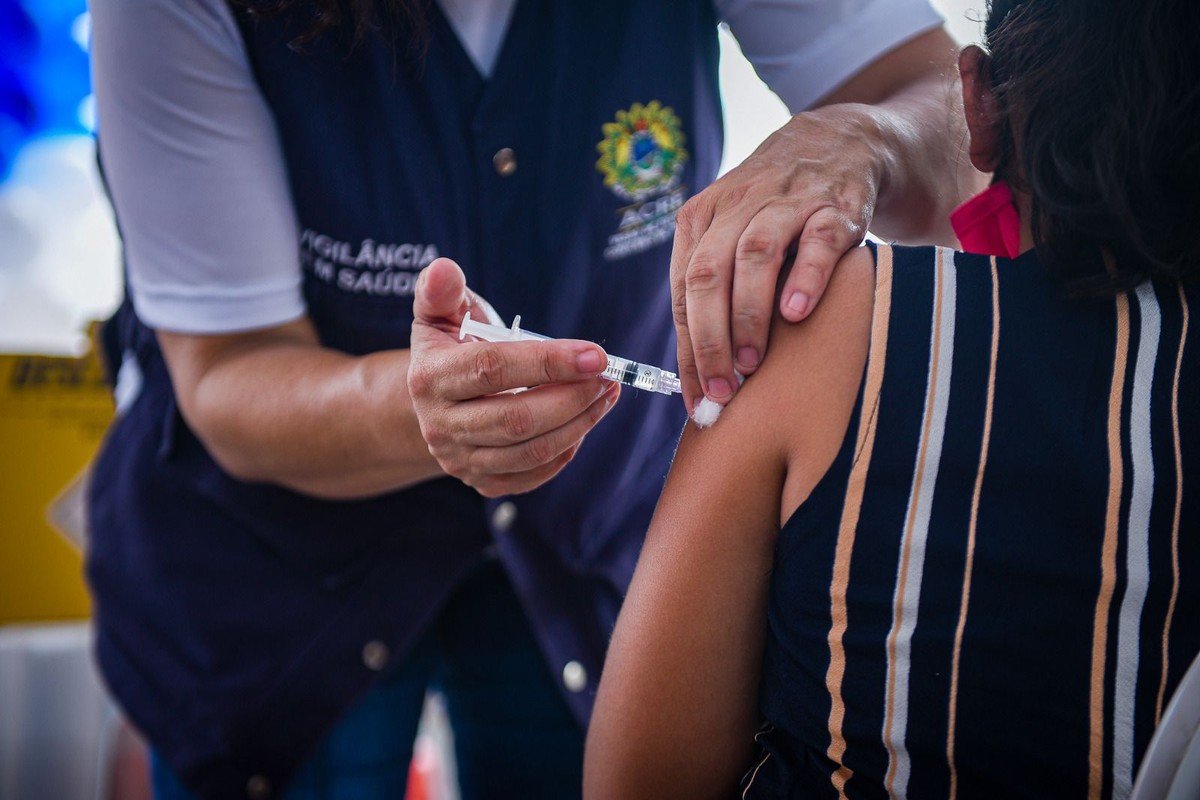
(282, 409)
(924, 169)
(906, 109)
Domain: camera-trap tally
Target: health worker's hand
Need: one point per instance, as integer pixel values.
(809, 189)
(480, 431)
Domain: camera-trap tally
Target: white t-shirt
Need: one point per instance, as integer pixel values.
(198, 177)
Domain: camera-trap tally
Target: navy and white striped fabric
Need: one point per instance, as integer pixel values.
(996, 587)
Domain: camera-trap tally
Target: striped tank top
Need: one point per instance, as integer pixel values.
(996, 587)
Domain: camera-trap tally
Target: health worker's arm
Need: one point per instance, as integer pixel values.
(198, 181)
(878, 142)
(676, 710)
(273, 405)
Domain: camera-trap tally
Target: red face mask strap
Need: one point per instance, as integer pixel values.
(988, 224)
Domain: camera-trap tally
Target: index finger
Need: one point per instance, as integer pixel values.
(475, 369)
(690, 223)
(709, 287)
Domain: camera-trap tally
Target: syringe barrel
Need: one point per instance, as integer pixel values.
(640, 376)
(621, 370)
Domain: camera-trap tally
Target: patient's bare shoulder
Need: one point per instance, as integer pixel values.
(788, 420)
(812, 373)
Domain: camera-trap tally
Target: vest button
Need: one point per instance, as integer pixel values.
(258, 788)
(504, 516)
(574, 676)
(505, 162)
(375, 655)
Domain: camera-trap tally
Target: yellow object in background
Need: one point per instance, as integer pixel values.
(53, 413)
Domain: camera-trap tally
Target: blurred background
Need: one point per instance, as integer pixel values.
(60, 737)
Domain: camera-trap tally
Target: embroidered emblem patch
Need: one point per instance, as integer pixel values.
(642, 152)
(642, 158)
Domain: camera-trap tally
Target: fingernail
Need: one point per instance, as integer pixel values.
(798, 303)
(747, 357)
(589, 361)
(718, 389)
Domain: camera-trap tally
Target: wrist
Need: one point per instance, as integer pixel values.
(878, 135)
(392, 420)
(907, 178)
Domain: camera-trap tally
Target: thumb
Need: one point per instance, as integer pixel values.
(441, 293)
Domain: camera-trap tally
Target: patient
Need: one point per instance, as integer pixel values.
(946, 542)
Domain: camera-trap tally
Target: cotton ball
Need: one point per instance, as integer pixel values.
(706, 413)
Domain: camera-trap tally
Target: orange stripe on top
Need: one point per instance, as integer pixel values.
(856, 485)
(1108, 556)
(906, 551)
(972, 527)
(1166, 636)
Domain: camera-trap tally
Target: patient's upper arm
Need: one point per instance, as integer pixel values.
(675, 715)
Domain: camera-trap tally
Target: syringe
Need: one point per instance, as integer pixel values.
(621, 370)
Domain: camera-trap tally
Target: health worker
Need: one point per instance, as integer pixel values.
(316, 503)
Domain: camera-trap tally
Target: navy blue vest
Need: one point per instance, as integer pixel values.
(232, 617)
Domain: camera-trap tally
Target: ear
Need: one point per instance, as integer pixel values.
(979, 104)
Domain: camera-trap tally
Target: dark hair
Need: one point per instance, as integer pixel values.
(1102, 104)
(352, 20)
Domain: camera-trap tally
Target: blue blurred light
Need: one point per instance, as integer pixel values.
(18, 40)
(44, 78)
